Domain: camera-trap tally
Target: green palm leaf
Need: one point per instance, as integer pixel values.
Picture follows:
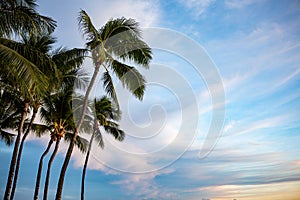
(81, 142)
(24, 71)
(130, 78)
(19, 16)
(7, 137)
(109, 88)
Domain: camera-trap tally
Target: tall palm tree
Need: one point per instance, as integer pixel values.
(57, 114)
(29, 91)
(20, 16)
(67, 62)
(56, 108)
(41, 43)
(118, 40)
(106, 116)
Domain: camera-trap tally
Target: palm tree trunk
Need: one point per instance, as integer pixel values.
(39, 174)
(15, 153)
(49, 168)
(72, 143)
(85, 166)
(20, 154)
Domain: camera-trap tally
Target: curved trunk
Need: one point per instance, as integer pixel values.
(20, 154)
(38, 177)
(49, 168)
(85, 166)
(72, 143)
(15, 153)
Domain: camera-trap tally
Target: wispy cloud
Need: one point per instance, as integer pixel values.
(145, 12)
(144, 185)
(246, 192)
(240, 3)
(197, 7)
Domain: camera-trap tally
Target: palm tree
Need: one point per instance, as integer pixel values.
(56, 109)
(105, 116)
(57, 115)
(67, 62)
(29, 91)
(41, 43)
(118, 40)
(19, 16)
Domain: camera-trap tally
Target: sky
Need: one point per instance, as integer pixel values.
(220, 115)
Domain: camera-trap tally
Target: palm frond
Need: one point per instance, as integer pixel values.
(82, 79)
(140, 55)
(7, 137)
(68, 60)
(86, 26)
(20, 61)
(21, 16)
(130, 78)
(10, 107)
(120, 27)
(116, 132)
(40, 129)
(109, 88)
(81, 142)
(99, 138)
(41, 42)
(106, 109)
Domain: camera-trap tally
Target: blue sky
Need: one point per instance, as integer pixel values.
(254, 45)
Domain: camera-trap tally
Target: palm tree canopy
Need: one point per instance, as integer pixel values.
(19, 16)
(10, 112)
(68, 62)
(107, 116)
(118, 42)
(57, 108)
(21, 60)
(57, 115)
(28, 65)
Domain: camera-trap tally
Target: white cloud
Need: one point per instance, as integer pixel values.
(248, 126)
(265, 191)
(144, 185)
(145, 12)
(240, 3)
(254, 64)
(197, 6)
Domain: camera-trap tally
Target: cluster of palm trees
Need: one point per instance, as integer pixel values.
(38, 82)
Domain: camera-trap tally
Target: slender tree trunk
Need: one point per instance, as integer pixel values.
(72, 143)
(49, 168)
(20, 154)
(85, 165)
(39, 174)
(15, 153)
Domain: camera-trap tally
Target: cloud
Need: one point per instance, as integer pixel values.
(198, 7)
(249, 125)
(235, 165)
(246, 192)
(145, 12)
(143, 186)
(236, 4)
(244, 78)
